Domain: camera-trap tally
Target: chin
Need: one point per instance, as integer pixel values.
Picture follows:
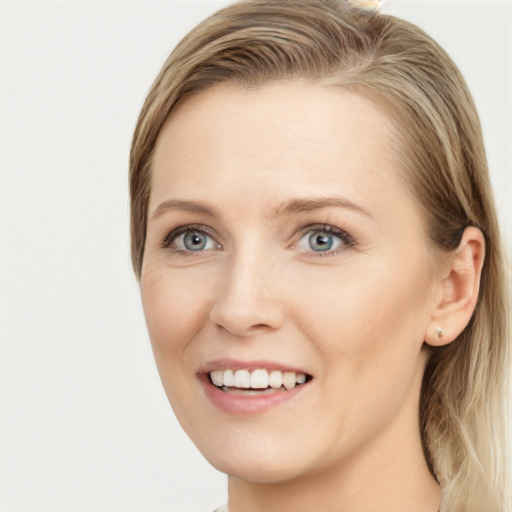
(261, 471)
(256, 459)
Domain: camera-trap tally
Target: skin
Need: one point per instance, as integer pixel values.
(355, 318)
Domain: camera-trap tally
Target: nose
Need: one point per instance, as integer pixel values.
(248, 301)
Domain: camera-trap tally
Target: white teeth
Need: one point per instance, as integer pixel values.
(229, 378)
(217, 377)
(289, 380)
(259, 379)
(242, 379)
(256, 379)
(275, 379)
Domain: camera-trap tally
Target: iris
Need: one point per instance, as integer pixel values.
(320, 241)
(195, 241)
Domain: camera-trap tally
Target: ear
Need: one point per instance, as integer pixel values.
(459, 282)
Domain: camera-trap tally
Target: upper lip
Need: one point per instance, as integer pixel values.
(237, 364)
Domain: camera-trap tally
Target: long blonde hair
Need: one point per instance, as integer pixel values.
(463, 411)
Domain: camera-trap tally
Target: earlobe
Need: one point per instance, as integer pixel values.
(460, 284)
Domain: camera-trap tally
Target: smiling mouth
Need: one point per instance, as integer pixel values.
(256, 382)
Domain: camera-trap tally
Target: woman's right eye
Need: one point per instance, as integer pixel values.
(190, 240)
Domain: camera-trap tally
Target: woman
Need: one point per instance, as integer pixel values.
(320, 264)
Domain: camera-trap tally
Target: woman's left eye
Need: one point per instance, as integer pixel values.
(326, 240)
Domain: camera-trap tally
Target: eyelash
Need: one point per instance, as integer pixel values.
(182, 230)
(346, 238)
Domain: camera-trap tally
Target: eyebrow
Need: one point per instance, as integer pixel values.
(298, 206)
(188, 206)
(291, 207)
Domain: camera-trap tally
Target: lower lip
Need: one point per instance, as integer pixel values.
(235, 403)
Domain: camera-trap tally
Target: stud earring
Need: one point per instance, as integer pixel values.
(439, 332)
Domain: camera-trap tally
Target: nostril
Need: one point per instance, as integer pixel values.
(260, 327)
(243, 329)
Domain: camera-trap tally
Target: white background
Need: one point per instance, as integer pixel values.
(84, 423)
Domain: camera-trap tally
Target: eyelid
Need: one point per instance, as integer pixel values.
(346, 238)
(180, 230)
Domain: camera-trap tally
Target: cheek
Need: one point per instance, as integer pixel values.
(172, 306)
(370, 323)
(175, 309)
(351, 305)
(370, 337)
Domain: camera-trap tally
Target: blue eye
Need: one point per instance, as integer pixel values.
(194, 240)
(325, 240)
(320, 241)
(190, 240)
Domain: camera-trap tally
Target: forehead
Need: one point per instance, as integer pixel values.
(273, 142)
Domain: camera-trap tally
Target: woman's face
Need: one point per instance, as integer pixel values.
(282, 244)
